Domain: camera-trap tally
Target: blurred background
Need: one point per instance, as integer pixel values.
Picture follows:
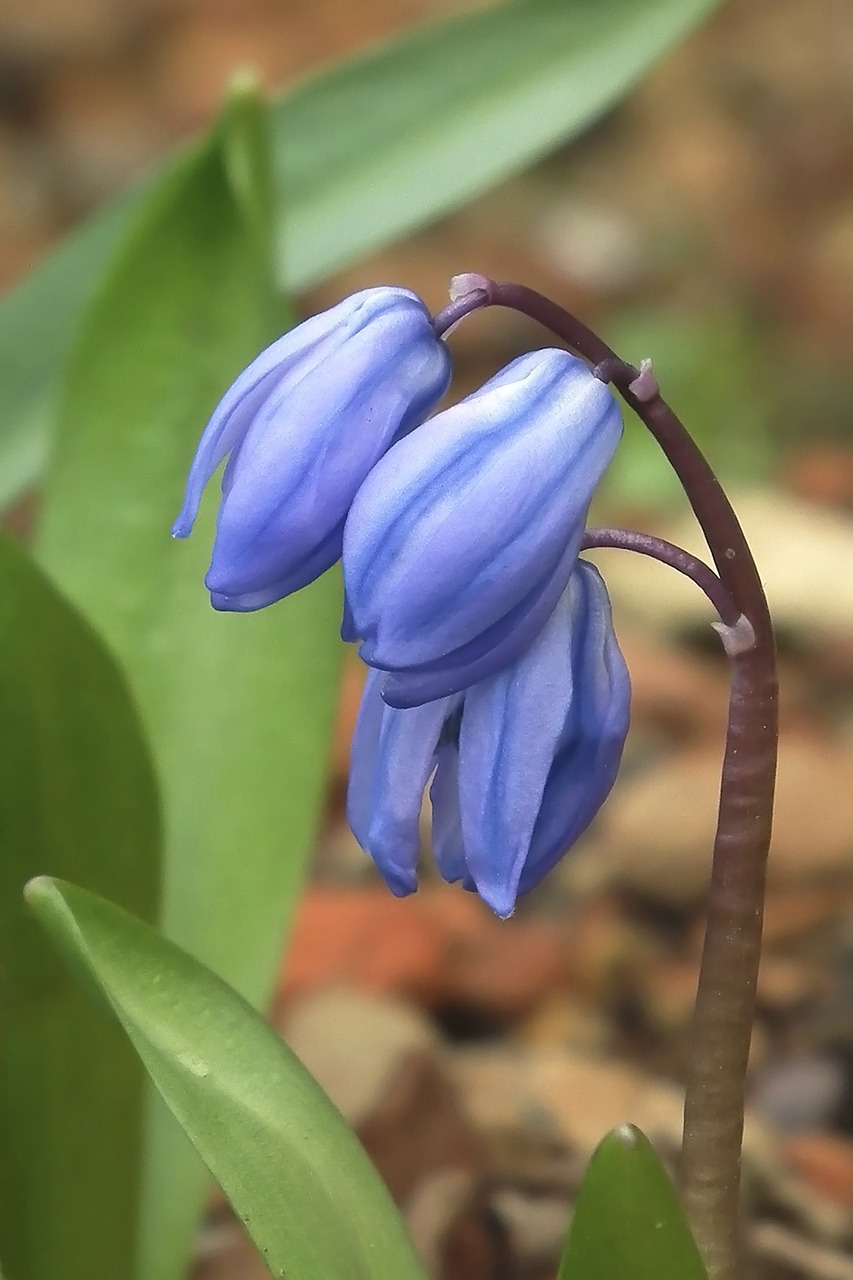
(707, 222)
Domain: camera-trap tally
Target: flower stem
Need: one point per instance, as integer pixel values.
(725, 1000)
(646, 544)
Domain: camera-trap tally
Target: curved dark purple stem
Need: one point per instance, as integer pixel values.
(725, 1001)
(458, 309)
(646, 544)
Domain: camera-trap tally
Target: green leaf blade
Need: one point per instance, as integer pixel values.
(77, 797)
(238, 708)
(627, 1220)
(475, 97)
(294, 1172)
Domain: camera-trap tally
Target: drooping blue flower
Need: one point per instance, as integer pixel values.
(304, 424)
(465, 534)
(520, 763)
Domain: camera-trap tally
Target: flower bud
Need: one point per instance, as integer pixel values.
(303, 425)
(520, 765)
(464, 535)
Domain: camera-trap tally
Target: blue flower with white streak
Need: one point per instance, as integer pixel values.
(465, 534)
(303, 425)
(520, 763)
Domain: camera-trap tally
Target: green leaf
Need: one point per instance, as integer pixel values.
(367, 151)
(238, 708)
(77, 797)
(627, 1221)
(299, 1179)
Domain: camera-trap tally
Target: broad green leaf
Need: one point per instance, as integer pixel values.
(298, 1178)
(77, 797)
(627, 1221)
(239, 708)
(367, 151)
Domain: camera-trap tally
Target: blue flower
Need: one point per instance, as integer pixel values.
(465, 534)
(520, 764)
(304, 424)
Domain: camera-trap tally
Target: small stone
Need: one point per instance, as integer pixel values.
(678, 692)
(799, 1094)
(364, 938)
(442, 949)
(791, 914)
(657, 829)
(501, 969)
(574, 1099)
(536, 1225)
(798, 547)
(51, 29)
(826, 1163)
(566, 1022)
(354, 1043)
(455, 1232)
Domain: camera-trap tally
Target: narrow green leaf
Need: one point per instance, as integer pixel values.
(239, 708)
(475, 98)
(301, 1182)
(77, 797)
(627, 1221)
(365, 152)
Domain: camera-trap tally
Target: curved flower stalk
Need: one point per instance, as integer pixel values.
(463, 537)
(303, 425)
(520, 764)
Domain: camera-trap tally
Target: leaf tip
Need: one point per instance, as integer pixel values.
(38, 890)
(245, 84)
(627, 1135)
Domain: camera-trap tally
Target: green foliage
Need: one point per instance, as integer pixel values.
(296, 1175)
(628, 1223)
(77, 797)
(363, 153)
(238, 708)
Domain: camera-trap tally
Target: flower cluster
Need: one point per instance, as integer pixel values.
(496, 680)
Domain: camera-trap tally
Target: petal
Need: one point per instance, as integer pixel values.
(490, 653)
(593, 737)
(347, 625)
(447, 846)
(511, 727)
(313, 441)
(393, 755)
(455, 522)
(298, 575)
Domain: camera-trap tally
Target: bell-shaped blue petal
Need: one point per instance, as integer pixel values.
(465, 533)
(393, 755)
(590, 748)
(520, 764)
(304, 424)
(540, 745)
